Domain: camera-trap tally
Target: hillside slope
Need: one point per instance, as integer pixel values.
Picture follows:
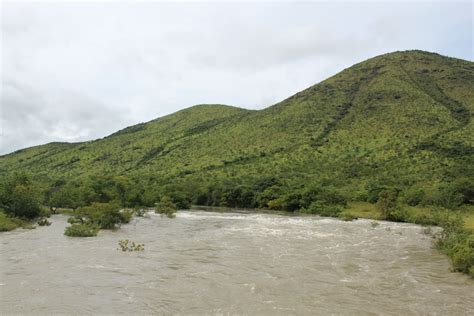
(403, 118)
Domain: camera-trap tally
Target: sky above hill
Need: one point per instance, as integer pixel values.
(75, 71)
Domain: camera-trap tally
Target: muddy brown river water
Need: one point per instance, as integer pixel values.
(231, 264)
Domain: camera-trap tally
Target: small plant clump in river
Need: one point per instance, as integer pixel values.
(128, 245)
(44, 222)
(141, 212)
(374, 224)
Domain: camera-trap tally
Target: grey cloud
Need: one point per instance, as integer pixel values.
(77, 71)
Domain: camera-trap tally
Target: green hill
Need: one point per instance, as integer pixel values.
(403, 118)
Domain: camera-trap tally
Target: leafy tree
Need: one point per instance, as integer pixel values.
(179, 195)
(19, 197)
(268, 194)
(373, 192)
(448, 196)
(414, 196)
(465, 187)
(388, 205)
(67, 197)
(105, 215)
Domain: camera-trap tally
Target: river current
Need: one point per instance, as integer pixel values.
(231, 264)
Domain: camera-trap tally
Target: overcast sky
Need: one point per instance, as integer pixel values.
(79, 71)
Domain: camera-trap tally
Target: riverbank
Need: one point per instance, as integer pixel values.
(416, 215)
(8, 223)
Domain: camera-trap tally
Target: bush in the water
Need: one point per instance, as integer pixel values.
(141, 212)
(106, 215)
(166, 207)
(88, 220)
(128, 245)
(82, 230)
(44, 222)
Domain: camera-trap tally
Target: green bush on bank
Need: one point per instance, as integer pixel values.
(166, 207)
(8, 223)
(19, 197)
(457, 243)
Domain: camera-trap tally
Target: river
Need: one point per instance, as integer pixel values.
(231, 263)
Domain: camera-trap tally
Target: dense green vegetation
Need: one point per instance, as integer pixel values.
(88, 220)
(10, 223)
(395, 131)
(166, 207)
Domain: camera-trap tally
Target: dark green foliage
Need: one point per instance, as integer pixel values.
(66, 197)
(178, 196)
(390, 208)
(88, 220)
(289, 202)
(320, 208)
(166, 207)
(373, 192)
(464, 186)
(447, 195)
(106, 215)
(19, 197)
(414, 196)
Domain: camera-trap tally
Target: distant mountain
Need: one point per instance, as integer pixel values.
(403, 118)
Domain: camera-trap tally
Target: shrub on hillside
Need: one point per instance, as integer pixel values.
(414, 196)
(373, 192)
(446, 195)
